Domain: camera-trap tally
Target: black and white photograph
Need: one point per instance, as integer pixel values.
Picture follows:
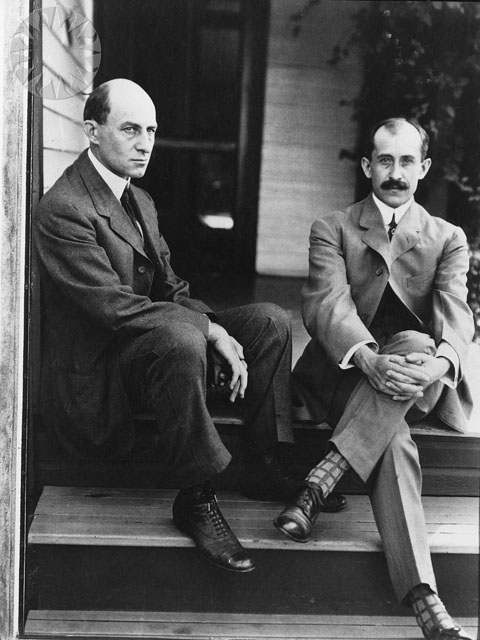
(239, 319)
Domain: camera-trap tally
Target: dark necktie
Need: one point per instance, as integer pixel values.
(129, 208)
(391, 227)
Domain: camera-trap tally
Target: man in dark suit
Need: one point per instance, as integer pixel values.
(385, 305)
(121, 333)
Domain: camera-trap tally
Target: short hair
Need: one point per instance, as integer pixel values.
(97, 107)
(391, 124)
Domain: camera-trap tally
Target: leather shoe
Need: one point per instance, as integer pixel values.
(270, 480)
(196, 513)
(446, 634)
(296, 521)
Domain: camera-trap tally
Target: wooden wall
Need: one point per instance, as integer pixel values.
(305, 127)
(63, 137)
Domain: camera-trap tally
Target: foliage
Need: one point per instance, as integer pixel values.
(422, 59)
(474, 290)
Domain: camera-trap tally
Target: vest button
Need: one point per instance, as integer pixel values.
(379, 272)
(142, 268)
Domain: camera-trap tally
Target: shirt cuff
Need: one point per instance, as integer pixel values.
(445, 350)
(346, 363)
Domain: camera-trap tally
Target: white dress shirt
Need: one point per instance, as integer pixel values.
(116, 183)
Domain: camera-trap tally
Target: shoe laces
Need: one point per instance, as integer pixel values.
(215, 516)
(309, 496)
(213, 512)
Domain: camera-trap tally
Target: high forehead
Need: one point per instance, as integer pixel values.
(129, 102)
(400, 139)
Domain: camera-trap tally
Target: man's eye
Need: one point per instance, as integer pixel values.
(129, 129)
(385, 161)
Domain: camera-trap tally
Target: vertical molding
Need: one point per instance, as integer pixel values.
(13, 183)
(254, 64)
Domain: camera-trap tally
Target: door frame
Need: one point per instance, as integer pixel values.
(15, 208)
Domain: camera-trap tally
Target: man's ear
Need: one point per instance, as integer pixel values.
(90, 127)
(426, 164)
(366, 166)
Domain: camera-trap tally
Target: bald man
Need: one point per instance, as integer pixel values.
(121, 333)
(386, 306)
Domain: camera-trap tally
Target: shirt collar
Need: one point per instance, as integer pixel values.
(116, 183)
(387, 211)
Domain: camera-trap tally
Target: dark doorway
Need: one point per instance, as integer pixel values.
(203, 62)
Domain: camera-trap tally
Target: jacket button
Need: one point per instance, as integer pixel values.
(379, 272)
(142, 268)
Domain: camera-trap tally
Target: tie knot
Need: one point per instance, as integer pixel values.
(392, 226)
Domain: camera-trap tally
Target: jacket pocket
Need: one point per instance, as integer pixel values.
(422, 279)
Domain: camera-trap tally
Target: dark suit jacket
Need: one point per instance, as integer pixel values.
(99, 288)
(351, 262)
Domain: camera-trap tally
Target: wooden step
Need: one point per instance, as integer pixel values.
(132, 517)
(97, 548)
(450, 460)
(149, 624)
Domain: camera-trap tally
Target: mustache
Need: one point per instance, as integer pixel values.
(391, 183)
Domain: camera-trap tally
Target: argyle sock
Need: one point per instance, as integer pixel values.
(429, 610)
(328, 472)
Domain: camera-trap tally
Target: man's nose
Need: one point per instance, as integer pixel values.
(396, 171)
(145, 142)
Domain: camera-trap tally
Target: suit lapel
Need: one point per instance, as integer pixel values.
(147, 217)
(107, 205)
(375, 235)
(407, 234)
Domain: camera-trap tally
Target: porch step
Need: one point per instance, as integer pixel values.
(101, 549)
(450, 460)
(207, 626)
(142, 518)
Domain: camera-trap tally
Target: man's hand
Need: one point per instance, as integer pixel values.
(400, 377)
(435, 368)
(227, 350)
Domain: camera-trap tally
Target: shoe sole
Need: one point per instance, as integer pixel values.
(184, 529)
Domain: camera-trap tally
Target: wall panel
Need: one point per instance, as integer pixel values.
(305, 128)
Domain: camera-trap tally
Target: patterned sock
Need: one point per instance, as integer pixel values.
(429, 610)
(328, 472)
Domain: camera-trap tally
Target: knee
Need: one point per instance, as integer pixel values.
(186, 346)
(409, 341)
(269, 313)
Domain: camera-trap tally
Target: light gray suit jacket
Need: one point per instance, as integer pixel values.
(351, 261)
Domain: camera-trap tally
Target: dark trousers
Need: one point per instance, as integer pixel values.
(165, 371)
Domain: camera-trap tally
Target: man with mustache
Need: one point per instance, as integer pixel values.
(385, 305)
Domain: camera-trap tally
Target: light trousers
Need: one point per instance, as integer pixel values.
(373, 435)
